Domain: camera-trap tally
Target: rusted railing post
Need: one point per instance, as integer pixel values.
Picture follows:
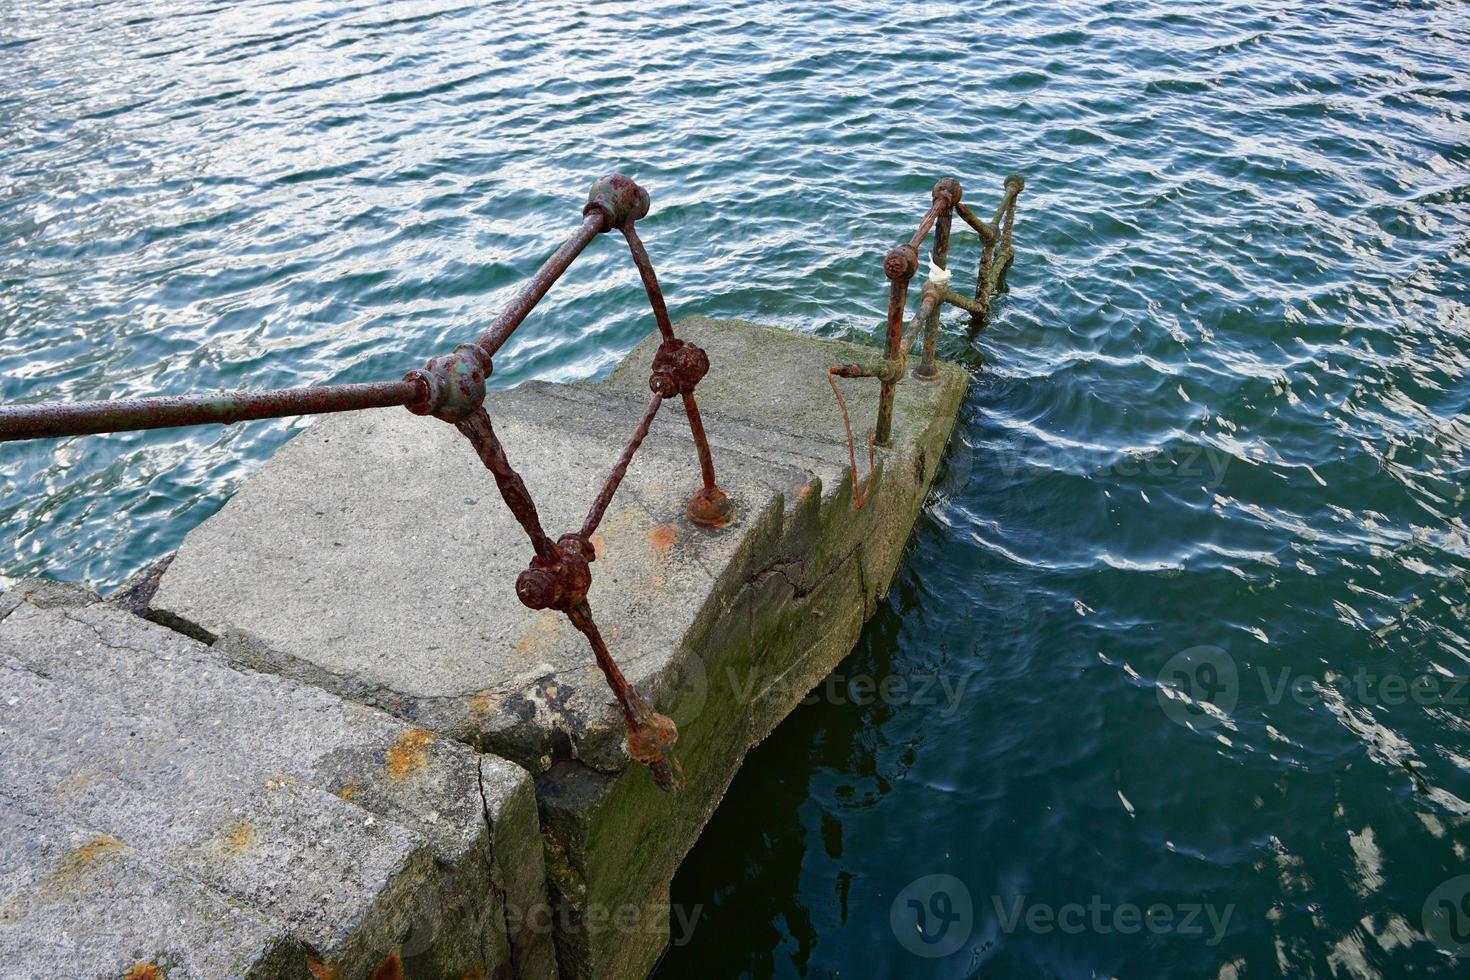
(899, 266)
(710, 506)
(560, 575)
(1000, 254)
(982, 276)
(1015, 183)
(947, 192)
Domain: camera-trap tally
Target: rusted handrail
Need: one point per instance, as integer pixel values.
(899, 267)
(452, 388)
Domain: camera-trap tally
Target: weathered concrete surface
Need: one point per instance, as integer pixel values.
(217, 822)
(79, 903)
(372, 557)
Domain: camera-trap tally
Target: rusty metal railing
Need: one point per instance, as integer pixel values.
(899, 266)
(451, 388)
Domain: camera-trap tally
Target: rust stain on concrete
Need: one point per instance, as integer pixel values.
(390, 969)
(538, 634)
(323, 971)
(663, 538)
(483, 704)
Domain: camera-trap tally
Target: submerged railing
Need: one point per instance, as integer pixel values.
(900, 265)
(451, 388)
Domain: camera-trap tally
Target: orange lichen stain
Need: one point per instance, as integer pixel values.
(143, 971)
(76, 864)
(663, 537)
(473, 973)
(238, 837)
(804, 490)
(390, 969)
(599, 543)
(348, 792)
(410, 754)
(99, 846)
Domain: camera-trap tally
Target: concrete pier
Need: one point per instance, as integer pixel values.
(351, 613)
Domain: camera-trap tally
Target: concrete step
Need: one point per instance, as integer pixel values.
(78, 902)
(365, 837)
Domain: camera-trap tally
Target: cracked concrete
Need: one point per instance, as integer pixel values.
(372, 558)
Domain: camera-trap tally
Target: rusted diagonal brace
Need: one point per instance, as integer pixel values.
(559, 578)
(986, 232)
(962, 301)
(620, 469)
(651, 736)
(481, 434)
(594, 223)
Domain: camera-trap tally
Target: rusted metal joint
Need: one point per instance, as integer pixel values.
(678, 366)
(619, 199)
(453, 385)
(561, 581)
(948, 188)
(710, 507)
(901, 262)
(651, 744)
